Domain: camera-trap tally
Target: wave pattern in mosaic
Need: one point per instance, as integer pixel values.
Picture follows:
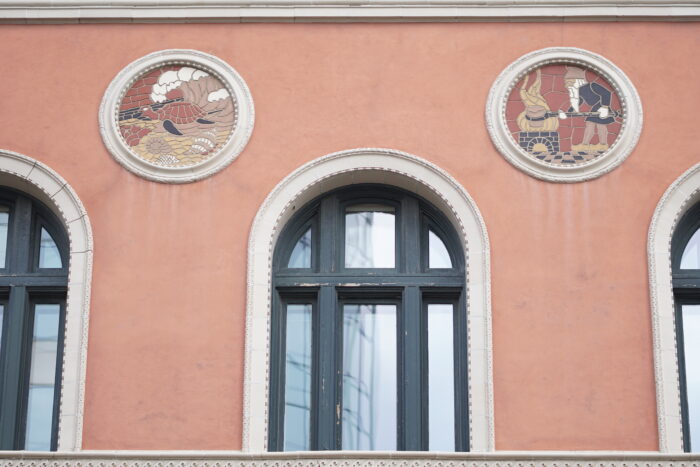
(564, 114)
(176, 116)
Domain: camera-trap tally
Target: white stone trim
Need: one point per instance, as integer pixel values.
(36, 179)
(683, 194)
(82, 11)
(350, 458)
(217, 67)
(502, 139)
(368, 166)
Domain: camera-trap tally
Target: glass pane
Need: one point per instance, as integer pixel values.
(441, 397)
(369, 236)
(301, 254)
(369, 377)
(4, 220)
(49, 256)
(42, 375)
(297, 389)
(438, 257)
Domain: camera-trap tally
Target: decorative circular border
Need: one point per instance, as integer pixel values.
(501, 137)
(229, 151)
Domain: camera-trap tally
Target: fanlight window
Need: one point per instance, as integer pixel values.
(368, 327)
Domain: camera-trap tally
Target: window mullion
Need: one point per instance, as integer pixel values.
(328, 375)
(410, 413)
(410, 231)
(20, 234)
(13, 368)
(461, 375)
(329, 235)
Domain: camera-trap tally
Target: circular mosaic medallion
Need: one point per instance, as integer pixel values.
(176, 116)
(564, 114)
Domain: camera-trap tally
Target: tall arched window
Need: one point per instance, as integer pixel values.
(33, 283)
(369, 329)
(686, 291)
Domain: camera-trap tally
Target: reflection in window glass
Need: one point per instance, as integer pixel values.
(441, 398)
(297, 389)
(49, 256)
(301, 254)
(438, 257)
(691, 352)
(369, 377)
(42, 376)
(369, 236)
(4, 221)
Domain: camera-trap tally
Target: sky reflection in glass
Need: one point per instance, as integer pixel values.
(4, 221)
(42, 376)
(369, 377)
(441, 396)
(301, 254)
(49, 256)
(297, 389)
(438, 257)
(369, 236)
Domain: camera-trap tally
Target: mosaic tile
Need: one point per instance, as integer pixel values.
(176, 116)
(564, 114)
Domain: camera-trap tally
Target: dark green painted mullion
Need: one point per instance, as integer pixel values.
(277, 337)
(19, 236)
(328, 374)
(57, 381)
(410, 418)
(14, 366)
(680, 347)
(411, 235)
(329, 236)
(461, 372)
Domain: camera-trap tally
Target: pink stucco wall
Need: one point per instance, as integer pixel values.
(571, 319)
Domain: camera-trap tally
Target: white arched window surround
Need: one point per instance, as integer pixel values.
(36, 179)
(682, 195)
(345, 168)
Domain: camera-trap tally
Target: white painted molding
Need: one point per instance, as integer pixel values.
(349, 458)
(683, 194)
(81, 11)
(509, 148)
(109, 110)
(36, 179)
(368, 166)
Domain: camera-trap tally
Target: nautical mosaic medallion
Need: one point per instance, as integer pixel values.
(564, 114)
(176, 116)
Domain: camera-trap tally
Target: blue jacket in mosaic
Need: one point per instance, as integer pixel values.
(596, 96)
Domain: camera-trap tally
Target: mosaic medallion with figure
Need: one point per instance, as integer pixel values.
(176, 116)
(564, 114)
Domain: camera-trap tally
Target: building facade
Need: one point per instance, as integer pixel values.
(329, 234)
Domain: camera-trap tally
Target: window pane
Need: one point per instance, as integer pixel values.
(42, 375)
(49, 256)
(297, 389)
(441, 398)
(369, 377)
(4, 220)
(438, 257)
(301, 254)
(369, 236)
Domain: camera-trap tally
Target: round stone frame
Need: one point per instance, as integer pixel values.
(502, 139)
(213, 65)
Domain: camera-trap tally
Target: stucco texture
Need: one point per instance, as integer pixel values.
(571, 320)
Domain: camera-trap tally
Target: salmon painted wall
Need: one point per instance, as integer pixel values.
(571, 319)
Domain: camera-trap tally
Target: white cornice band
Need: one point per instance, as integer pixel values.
(85, 11)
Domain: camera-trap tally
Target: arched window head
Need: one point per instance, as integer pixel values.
(33, 283)
(686, 289)
(369, 328)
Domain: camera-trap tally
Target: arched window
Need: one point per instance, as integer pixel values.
(33, 282)
(686, 291)
(369, 328)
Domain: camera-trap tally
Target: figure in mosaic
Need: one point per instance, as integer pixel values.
(564, 114)
(177, 116)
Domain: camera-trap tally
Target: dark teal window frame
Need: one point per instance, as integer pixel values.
(23, 285)
(327, 285)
